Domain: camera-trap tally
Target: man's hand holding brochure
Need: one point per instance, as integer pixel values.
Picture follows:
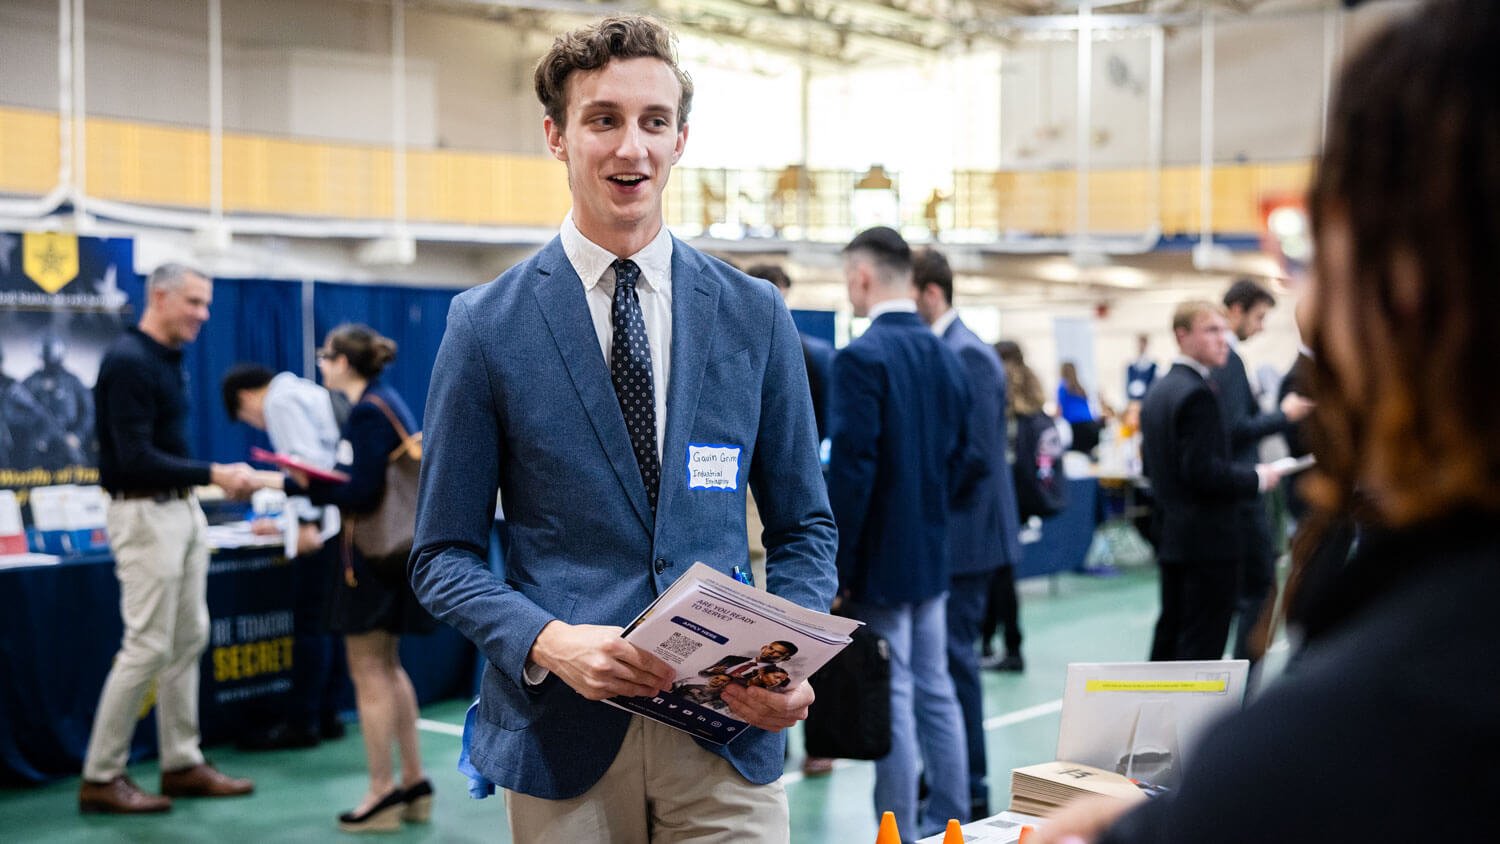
(741, 656)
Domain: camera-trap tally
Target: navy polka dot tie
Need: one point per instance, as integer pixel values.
(630, 370)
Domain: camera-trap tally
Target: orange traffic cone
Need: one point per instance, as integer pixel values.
(888, 833)
(954, 835)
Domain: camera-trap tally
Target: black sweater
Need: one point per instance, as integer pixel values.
(141, 408)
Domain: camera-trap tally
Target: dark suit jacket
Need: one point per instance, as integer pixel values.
(1185, 453)
(818, 354)
(371, 440)
(985, 528)
(1242, 414)
(899, 420)
(521, 399)
(1298, 380)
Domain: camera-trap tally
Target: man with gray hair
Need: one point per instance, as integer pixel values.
(158, 537)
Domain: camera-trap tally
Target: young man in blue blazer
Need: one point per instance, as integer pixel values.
(899, 464)
(578, 383)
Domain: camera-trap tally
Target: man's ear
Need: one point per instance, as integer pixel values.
(681, 143)
(555, 143)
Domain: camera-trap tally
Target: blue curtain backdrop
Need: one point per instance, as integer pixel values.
(251, 321)
(818, 324)
(260, 321)
(412, 316)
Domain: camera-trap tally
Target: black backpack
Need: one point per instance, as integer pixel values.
(1041, 486)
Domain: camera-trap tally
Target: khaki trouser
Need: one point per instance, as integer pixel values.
(161, 559)
(662, 787)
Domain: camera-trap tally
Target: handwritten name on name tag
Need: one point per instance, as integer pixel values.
(713, 466)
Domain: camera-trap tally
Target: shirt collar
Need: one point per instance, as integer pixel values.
(898, 305)
(941, 324)
(590, 260)
(1192, 364)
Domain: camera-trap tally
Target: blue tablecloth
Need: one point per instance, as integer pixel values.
(1066, 536)
(60, 627)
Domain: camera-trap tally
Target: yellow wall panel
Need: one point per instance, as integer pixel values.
(147, 164)
(161, 165)
(28, 151)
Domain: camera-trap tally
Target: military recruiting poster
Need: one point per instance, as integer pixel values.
(61, 305)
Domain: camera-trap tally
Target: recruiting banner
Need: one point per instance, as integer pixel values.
(61, 305)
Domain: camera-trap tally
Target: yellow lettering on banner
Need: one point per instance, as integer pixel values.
(252, 659)
(1156, 686)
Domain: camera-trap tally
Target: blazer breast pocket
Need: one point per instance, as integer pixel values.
(729, 402)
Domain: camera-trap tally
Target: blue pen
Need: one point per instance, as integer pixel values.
(743, 576)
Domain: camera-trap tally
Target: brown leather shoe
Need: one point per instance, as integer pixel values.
(119, 796)
(203, 781)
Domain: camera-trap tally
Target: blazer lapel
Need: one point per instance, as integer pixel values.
(695, 310)
(559, 293)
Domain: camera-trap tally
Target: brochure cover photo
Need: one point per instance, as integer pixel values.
(716, 632)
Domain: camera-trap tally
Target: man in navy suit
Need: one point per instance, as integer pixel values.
(983, 532)
(1198, 488)
(900, 461)
(579, 383)
(1245, 306)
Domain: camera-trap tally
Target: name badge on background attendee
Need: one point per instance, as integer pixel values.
(713, 466)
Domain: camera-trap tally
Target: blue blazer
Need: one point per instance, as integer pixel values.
(985, 528)
(521, 401)
(900, 460)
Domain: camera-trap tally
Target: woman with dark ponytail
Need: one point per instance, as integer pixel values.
(371, 614)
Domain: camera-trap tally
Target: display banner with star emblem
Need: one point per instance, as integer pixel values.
(61, 305)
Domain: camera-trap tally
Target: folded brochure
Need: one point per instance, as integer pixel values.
(317, 473)
(715, 631)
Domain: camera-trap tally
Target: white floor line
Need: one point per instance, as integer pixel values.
(1021, 715)
(443, 727)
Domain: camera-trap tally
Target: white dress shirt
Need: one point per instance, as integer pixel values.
(300, 422)
(593, 263)
(1193, 365)
(940, 325)
(900, 304)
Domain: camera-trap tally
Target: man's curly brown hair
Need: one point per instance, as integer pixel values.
(596, 45)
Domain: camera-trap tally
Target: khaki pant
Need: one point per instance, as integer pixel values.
(661, 788)
(161, 559)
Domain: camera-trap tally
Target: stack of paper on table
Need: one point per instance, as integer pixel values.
(1043, 789)
(712, 630)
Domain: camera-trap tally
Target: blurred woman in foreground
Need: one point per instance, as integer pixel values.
(1390, 726)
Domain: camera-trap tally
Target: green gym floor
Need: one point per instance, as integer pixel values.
(299, 792)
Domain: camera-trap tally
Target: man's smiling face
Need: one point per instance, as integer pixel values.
(620, 141)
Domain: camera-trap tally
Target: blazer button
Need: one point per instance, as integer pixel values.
(662, 565)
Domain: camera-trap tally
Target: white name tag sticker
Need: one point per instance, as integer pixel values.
(713, 466)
